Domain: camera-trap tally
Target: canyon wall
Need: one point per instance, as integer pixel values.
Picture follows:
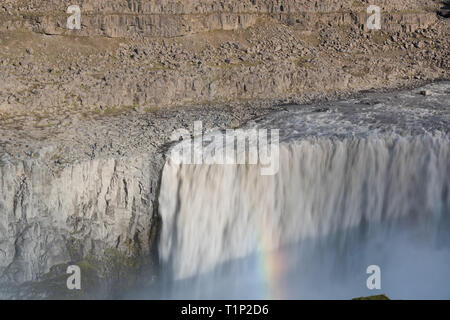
(157, 54)
(79, 215)
(177, 18)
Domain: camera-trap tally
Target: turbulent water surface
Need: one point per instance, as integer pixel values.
(361, 182)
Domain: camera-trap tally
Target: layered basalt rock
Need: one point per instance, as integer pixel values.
(178, 18)
(78, 214)
(173, 53)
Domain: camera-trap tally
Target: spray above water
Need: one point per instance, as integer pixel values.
(356, 186)
(239, 146)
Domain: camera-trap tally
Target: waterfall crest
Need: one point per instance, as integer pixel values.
(213, 214)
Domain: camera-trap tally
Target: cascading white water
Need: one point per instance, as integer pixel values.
(216, 213)
(344, 188)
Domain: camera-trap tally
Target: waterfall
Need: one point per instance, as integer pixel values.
(216, 213)
(335, 195)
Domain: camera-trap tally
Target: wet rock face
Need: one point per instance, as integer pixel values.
(51, 218)
(177, 18)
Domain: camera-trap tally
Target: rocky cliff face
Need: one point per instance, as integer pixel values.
(51, 218)
(173, 53)
(176, 18)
